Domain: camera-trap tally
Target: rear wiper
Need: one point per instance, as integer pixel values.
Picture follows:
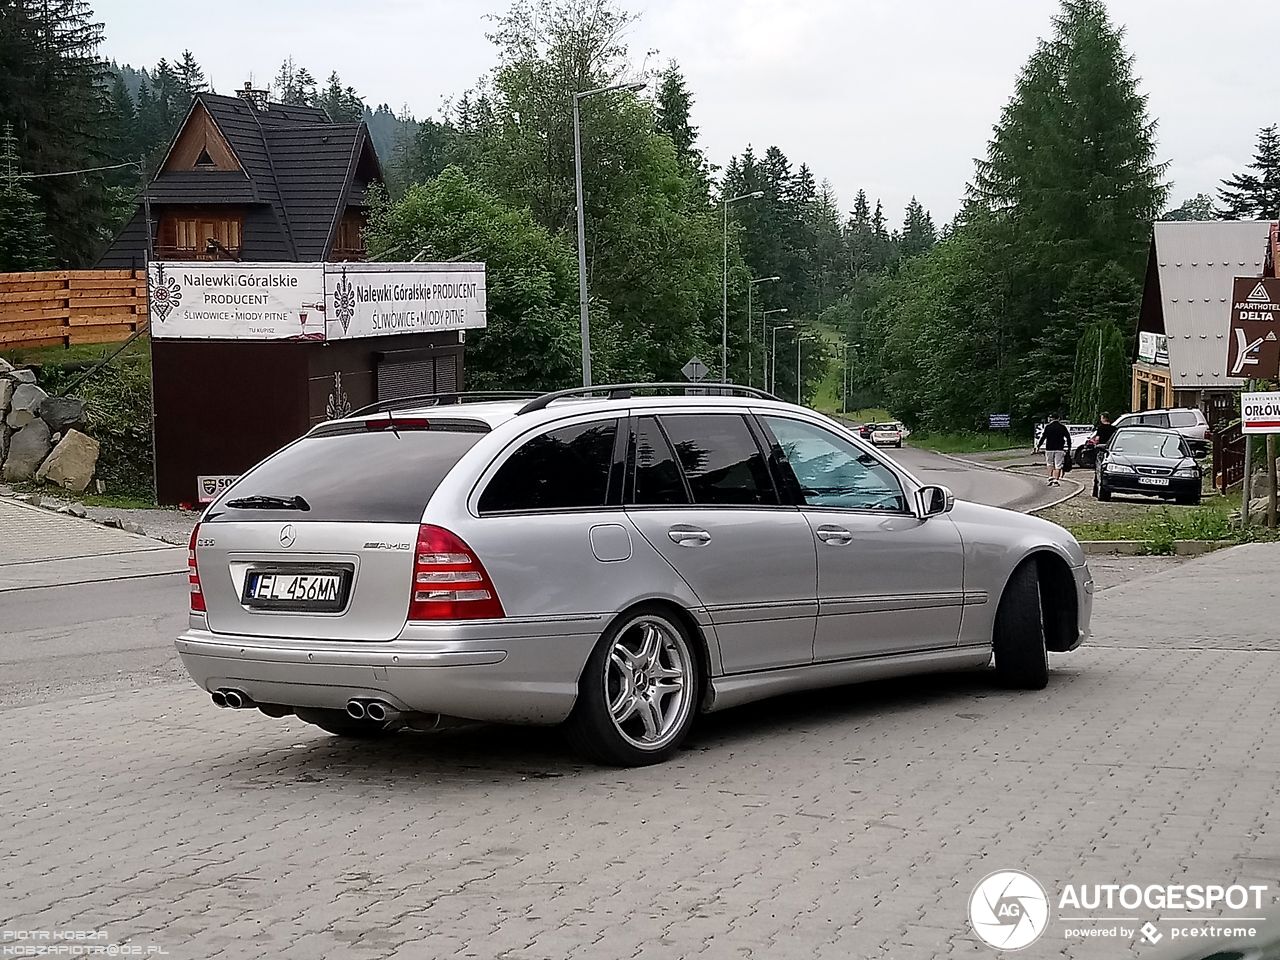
(269, 503)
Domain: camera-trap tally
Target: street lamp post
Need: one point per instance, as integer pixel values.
(773, 376)
(584, 319)
(724, 285)
(764, 342)
(751, 322)
(799, 340)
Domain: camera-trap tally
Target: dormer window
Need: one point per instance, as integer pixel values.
(204, 161)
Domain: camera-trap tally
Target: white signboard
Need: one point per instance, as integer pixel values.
(1153, 348)
(236, 301)
(224, 300)
(208, 488)
(376, 299)
(1260, 412)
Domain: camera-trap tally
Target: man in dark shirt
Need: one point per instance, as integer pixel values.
(1056, 441)
(1105, 429)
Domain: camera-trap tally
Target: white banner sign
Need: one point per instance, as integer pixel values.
(313, 301)
(1260, 412)
(1153, 348)
(237, 301)
(376, 299)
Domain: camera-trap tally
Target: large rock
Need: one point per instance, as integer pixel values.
(27, 450)
(24, 404)
(19, 376)
(72, 462)
(5, 365)
(6, 394)
(4, 440)
(61, 412)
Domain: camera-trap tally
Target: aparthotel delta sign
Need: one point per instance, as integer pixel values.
(312, 301)
(1253, 348)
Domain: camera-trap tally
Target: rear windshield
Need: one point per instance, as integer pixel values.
(375, 477)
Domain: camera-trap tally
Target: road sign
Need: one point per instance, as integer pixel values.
(998, 421)
(1260, 412)
(695, 370)
(1253, 344)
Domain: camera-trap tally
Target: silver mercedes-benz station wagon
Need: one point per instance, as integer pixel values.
(610, 558)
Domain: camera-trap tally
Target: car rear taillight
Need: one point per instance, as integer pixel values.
(449, 581)
(193, 574)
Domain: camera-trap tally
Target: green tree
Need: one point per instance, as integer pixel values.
(671, 115)
(1255, 196)
(918, 234)
(24, 240)
(1199, 207)
(342, 104)
(189, 79)
(531, 340)
(53, 91)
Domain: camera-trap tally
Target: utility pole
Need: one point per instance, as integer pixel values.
(724, 285)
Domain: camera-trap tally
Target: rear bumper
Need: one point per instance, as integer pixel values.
(517, 679)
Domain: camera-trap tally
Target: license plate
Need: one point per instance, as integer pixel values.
(293, 590)
(1155, 481)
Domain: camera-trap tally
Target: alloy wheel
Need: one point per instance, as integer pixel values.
(648, 682)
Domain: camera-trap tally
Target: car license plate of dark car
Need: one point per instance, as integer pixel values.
(1155, 481)
(289, 590)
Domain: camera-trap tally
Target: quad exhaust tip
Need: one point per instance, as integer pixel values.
(355, 709)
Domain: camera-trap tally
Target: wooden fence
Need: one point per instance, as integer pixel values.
(50, 308)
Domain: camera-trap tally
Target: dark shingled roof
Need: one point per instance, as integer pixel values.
(298, 178)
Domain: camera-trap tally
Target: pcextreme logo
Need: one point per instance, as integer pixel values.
(1008, 910)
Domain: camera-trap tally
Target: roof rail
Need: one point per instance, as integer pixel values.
(443, 399)
(621, 391)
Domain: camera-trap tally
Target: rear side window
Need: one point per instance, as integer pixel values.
(721, 459)
(353, 476)
(657, 476)
(560, 470)
(1186, 418)
(1154, 420)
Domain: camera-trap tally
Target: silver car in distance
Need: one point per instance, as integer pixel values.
(614, 560)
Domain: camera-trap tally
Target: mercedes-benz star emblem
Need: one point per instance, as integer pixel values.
(286, 535)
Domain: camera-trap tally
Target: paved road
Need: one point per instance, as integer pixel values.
(1000, 488)
(850, 823)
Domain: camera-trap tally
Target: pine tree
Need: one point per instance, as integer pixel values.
(53, 90)
(918, 233)
(1072, 161)
(671, 114)
(190, 78)
(1255, 196)
(1199, 207)
(24, 241)
(342, 104)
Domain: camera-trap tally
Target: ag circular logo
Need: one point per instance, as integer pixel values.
(1008, 910)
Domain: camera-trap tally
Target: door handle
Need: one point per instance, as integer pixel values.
(687, 536)
(830, 533)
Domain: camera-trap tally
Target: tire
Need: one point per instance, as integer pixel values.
(1022, 659)
(339, 724)
(1103, 493)
(1095, 486)
(1189, 500)
(898, 444)
(646, 650)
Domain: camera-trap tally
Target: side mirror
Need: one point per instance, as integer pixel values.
(932, 500)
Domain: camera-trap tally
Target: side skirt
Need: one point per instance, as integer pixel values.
(731, 691)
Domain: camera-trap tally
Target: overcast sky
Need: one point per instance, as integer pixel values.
(894, 97)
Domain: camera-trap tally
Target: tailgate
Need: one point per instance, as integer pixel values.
(321, 580)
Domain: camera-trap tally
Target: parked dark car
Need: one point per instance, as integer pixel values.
(1149, 462)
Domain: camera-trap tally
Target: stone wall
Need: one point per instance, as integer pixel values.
(39, 435)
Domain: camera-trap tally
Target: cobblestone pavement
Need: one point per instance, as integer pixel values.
(847, 824)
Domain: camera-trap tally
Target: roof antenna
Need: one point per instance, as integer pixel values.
(392, 421)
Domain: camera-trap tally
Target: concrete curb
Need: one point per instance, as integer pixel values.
(1137, 548)
(65, 508)
(1079, 487)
